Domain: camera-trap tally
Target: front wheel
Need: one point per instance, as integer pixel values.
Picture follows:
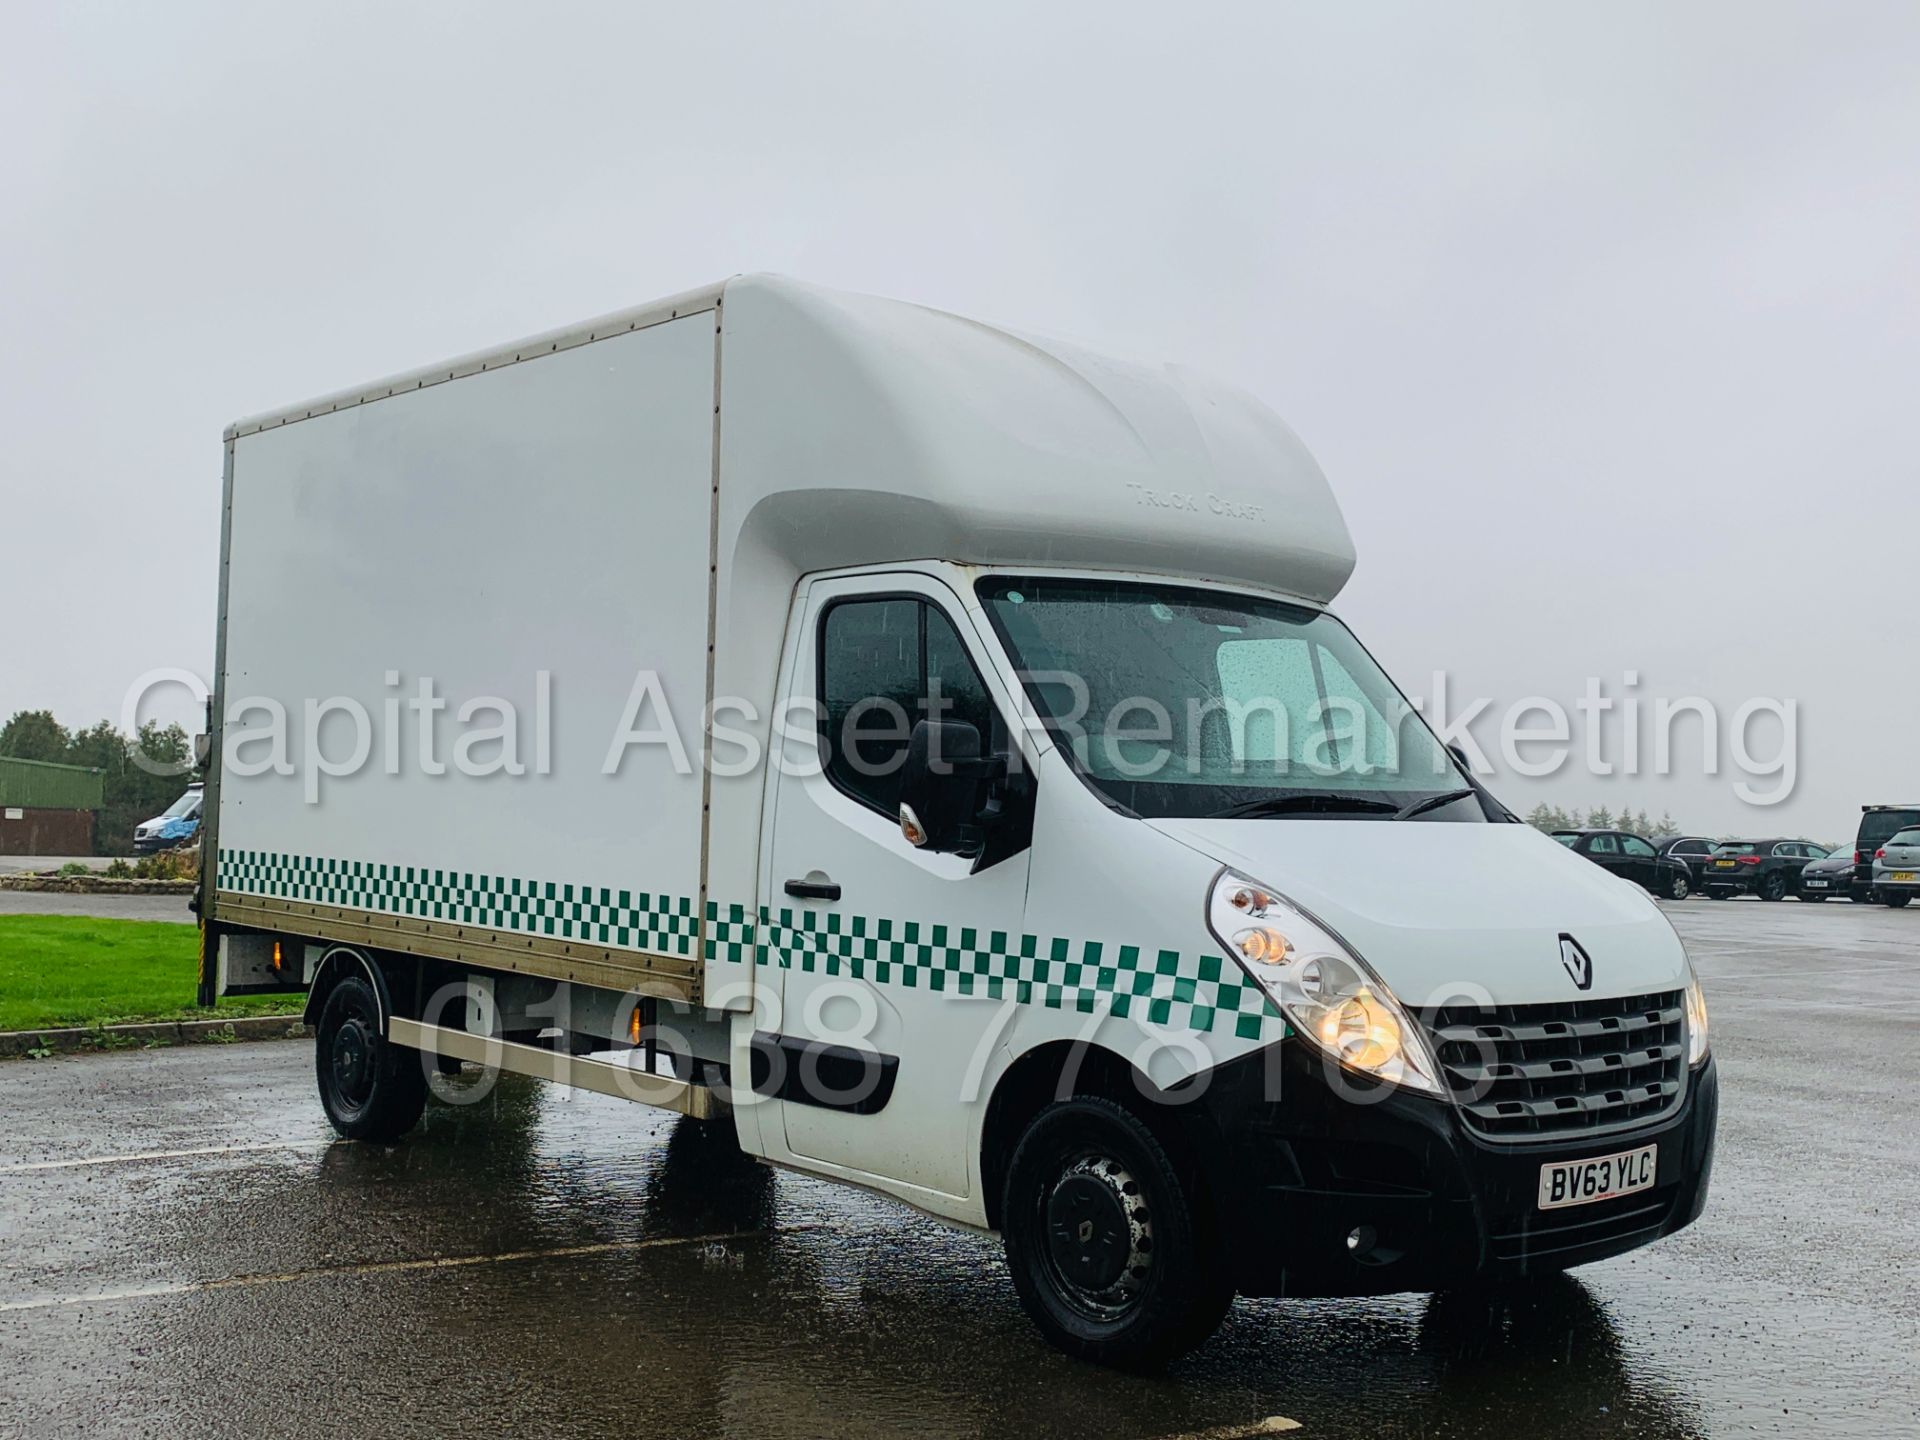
(1898, 898)
(370, 1088)
(1102, 1241)
(1678, 888)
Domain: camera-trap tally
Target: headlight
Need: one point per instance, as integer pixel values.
(1323, 988)
(1696, 1022)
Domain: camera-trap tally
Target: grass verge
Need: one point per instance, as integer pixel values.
(66, 970)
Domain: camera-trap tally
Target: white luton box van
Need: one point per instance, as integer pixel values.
(927, 748)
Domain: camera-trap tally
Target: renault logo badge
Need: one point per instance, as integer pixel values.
(1579, 964)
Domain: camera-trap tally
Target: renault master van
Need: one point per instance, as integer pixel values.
(929, 750)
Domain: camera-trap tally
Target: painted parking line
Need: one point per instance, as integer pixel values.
(392, 1267)
(140, 1156)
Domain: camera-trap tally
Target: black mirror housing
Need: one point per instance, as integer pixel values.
(940, 786)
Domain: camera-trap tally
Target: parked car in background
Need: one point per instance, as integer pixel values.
(177, 825)
(1693, 851)
(1878, 824)
(1767, 868)
(1831, 876)
(1631, 858)
(1896, 867)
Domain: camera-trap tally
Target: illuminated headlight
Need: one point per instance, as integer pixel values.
(1326, 991)
(1696, 1022)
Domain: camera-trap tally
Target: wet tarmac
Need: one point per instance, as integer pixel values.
(184, 1250)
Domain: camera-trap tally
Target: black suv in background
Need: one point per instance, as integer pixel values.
(1878, 824)
(1632, 858)
(1767, 868)
(1692, 851)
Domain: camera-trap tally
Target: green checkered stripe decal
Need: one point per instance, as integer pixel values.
(1206, 993)
(1170, 988)
(626, 919)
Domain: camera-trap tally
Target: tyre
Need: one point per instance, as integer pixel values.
(1774, 886)
(1898, 898)
(371, 1089)
(1102, 1239)
(1678, 888)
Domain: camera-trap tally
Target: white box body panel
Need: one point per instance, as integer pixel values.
(542, 519)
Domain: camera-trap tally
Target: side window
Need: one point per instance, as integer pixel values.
(884, 665)
(954, 689)
(1604, 845)
(1636, 847)
(1786, 851)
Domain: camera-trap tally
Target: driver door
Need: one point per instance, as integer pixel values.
(878, 948)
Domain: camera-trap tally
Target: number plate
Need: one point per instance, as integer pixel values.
(1816, 884)
(1902, 877)
(1582, 1182)
(1723, 864)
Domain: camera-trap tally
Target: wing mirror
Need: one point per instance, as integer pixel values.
(940, 787)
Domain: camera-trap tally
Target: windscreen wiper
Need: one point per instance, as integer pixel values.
(1432, 802)
(1307, 802)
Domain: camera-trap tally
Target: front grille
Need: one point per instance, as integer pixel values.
(1525, 1072)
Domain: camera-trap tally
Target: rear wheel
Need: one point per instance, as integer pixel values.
(1774, 886)
(1102, 1241)
(1898, 898)
(370, 1088)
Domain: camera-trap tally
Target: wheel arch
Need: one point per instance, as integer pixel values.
(339, 962)
(1061, 1070)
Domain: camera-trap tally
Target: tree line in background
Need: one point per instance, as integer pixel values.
(1552, 817)
(133, 794)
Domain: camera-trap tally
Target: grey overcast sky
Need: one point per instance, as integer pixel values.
(1603, 319)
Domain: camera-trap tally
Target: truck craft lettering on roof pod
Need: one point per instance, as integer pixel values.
(963, 933)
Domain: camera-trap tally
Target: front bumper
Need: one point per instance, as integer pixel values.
(1297, 1169)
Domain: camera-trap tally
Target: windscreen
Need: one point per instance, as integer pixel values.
(1179, 701)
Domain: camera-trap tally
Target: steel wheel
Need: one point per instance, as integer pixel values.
(370, 1089)
(1102, 1240)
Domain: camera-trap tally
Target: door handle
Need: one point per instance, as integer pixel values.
(814, 889)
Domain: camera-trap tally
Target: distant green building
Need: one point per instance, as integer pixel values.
(48, 809)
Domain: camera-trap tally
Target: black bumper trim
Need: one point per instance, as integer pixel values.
(1295, 1169)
